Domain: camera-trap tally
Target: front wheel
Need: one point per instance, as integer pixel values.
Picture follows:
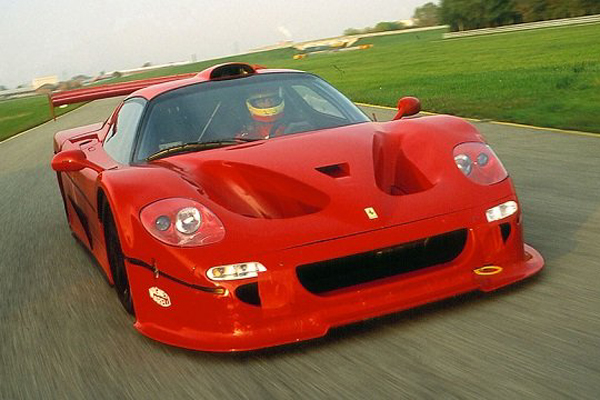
(117, 262)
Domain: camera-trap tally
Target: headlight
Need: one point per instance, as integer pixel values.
(182, 222)
(501, 211)
(188, 220)
(478, 162)
(235, 271)
(464, 163)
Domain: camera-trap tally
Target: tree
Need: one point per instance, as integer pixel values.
(380, 27)
(387, 26)
(500, 12)
(351, 31)
(2, 87)
(457, 14)
(590, 6)
(530, 10)
(427, 15)
(474, 14)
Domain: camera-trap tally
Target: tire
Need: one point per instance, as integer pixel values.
(117, 261)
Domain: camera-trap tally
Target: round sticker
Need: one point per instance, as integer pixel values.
(160, 296)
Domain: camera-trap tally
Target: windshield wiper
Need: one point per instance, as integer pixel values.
(197, 146)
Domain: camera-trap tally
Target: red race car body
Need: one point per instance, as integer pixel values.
(221, 237)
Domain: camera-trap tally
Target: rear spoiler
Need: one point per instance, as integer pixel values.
(105, 91)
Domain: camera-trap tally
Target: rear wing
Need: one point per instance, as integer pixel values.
(57, 99)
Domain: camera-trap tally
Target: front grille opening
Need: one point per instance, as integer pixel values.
(248, 293)
(505, 231)
(329, 275)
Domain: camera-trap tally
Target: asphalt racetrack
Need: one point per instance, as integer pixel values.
(64, 335)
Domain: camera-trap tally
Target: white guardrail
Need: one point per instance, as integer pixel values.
(529, 25)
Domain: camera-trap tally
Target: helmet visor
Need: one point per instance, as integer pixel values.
(266, 100)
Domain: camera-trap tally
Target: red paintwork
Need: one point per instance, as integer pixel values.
(298, 215)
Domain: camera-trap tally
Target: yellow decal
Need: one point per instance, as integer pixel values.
(488, 270)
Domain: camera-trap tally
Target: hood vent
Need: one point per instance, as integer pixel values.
(335, 170)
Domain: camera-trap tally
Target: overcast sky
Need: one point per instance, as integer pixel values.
(68, 37)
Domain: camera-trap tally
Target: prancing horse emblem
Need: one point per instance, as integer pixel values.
(370, 211)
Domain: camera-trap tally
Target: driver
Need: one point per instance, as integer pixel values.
(266, 109)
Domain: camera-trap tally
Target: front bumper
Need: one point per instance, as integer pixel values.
(289, 313)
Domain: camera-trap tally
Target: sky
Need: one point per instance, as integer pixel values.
(70, 37)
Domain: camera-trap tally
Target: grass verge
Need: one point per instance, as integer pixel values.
(18, 115)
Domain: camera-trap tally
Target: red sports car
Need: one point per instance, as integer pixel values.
(244, 207)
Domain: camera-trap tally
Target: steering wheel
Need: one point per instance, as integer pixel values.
(293, 126)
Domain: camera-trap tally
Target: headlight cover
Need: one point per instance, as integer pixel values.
(235, 271)
(478, 162)
(182, 222)
(501, 211)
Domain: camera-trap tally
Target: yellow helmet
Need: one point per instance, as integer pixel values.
(266, 106)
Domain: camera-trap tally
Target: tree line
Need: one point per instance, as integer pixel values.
(463, 15)
(476, 14)
(380, 27)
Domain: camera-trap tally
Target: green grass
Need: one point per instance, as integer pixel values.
(546, 77)
(18, 115)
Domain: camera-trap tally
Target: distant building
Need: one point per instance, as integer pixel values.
(39, 82)
(46, 88)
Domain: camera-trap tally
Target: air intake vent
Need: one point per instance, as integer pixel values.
(329, 275)
(335, 170)
(248, 293)
(232, 70)
(505, 231)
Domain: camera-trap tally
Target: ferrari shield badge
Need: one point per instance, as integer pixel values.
(159, 296)
(370, 211)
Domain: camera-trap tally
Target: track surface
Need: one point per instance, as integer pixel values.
(64, 335)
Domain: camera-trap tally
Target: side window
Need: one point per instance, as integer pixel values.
(317, 102)
(121, 138)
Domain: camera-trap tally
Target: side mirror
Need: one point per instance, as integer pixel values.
(72, 160)
(407, 106)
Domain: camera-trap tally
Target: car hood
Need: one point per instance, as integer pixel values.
(315, 186)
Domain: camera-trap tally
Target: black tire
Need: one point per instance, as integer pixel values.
(117, 261)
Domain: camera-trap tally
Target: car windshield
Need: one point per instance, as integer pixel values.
(257, 107)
